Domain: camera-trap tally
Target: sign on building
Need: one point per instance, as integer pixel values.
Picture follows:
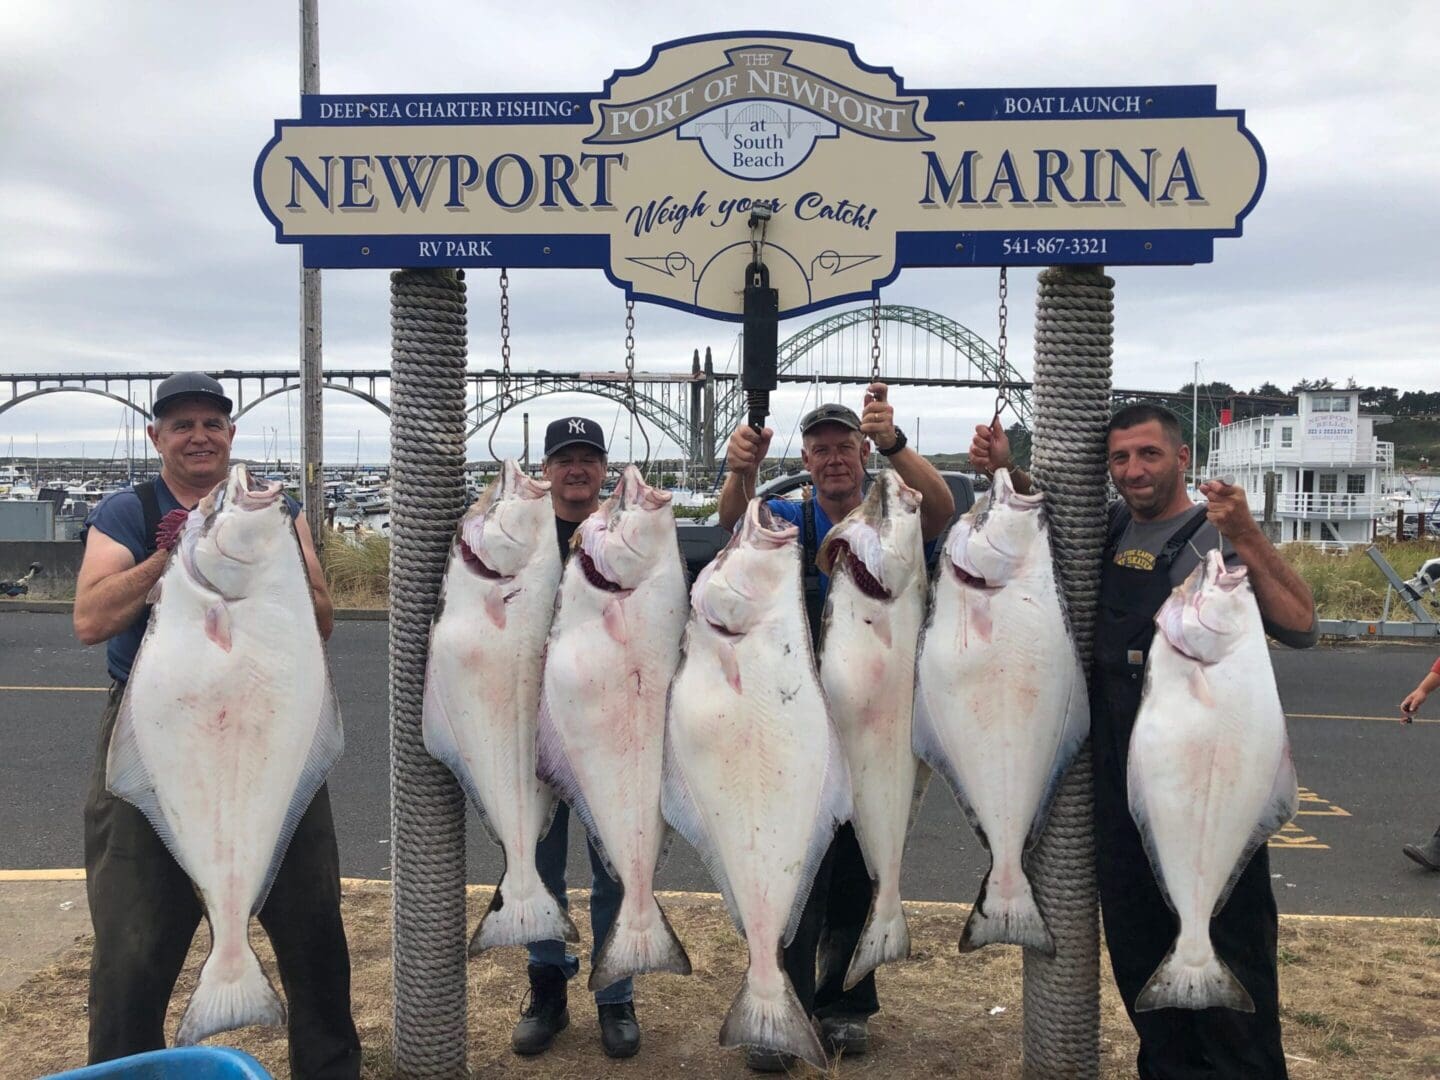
(653, 177)
(1330, 427)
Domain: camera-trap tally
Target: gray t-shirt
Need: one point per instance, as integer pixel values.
(1141, 543)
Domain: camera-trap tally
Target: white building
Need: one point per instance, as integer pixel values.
(1332, 471)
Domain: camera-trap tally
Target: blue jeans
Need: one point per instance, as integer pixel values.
(605, 893)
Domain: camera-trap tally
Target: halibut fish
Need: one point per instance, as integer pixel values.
(228, 728)
(1001, 706)
(871, 629)
(612, 652)
(1210, 775)
(482, 691)
(755, 778)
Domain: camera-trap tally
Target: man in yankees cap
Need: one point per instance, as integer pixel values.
(575, 466)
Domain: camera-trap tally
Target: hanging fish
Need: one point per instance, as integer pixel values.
(1210, 775)
(1001, 706)
(482, 691)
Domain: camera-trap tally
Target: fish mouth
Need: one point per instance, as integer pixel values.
(972, 581)
(865, 581)
(593, 575)
(476, 564)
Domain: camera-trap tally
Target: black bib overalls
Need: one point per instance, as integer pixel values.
(1175, 1044)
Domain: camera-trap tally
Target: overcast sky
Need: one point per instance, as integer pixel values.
(130, 237)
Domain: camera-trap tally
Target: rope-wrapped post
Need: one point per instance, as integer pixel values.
(1074, 317)
(427, 808)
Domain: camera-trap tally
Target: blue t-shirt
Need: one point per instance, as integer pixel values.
(791, 511)
(120, 516)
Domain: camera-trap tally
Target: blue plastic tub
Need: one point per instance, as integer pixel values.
(185, 1063)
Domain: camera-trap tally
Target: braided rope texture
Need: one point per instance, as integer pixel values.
(1074, 320)
(427, 808)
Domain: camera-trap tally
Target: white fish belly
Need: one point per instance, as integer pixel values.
(487, 681)
(606, 680)
(225, 735)
(1203, 765)
(995, 678)
(754, 763)
(870, 687)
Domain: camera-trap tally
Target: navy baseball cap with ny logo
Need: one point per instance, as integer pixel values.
(572, 430)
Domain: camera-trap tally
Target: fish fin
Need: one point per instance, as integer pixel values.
(217, 624)
(880, 627)
(772, 1024)
(885, 938)
(926, 745)
(516, 919)
(223, 1003)
(153, 596)
(126, 777)
(1014, 920)
(552, 765)
(613, 619)
(730, 664)
(1284, 801)
(495, 608)
(628, 950)
(1177, 985)
(1141, 816)
(1072, 738)
(677, 805)
(836, 807)
(923, 773)
(438, 733)
(325, 748)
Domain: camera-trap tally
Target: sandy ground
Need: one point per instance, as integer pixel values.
(1358, 998)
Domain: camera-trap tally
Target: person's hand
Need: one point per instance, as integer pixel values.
(746, 450)
(877, 418)
(1411, 705)
(1227, 509)
(990, 448)
(171, 526)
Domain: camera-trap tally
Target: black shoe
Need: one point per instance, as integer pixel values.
(545, 1015)
(761, 1059)
(845, 1035)
(1426, 854)
(619, 1030)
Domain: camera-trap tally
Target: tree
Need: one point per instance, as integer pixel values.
(1211, 389)
(1268, 389)
(1312, 384)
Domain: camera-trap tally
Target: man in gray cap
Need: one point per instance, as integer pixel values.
(575, 466)
(142, 904)
(834, 445)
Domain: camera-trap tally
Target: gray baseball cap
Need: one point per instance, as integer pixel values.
(190, 384)
(833, 413)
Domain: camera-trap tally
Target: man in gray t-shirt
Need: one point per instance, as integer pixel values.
(1156, 538)
(1140, 543)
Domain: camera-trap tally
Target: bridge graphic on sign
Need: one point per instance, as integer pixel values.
(760, 140)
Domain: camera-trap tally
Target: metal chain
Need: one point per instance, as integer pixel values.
(505, 399)
(875, 338)
(1001, 400)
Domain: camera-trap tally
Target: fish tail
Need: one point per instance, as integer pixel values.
(886, 937)
(1193, 983)
(1006, 920)
(519, 917)
(633, 949)
(772, 1023)
(228, 999)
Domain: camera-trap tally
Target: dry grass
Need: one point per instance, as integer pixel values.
(1358, 1000)
(357, 569)
(1349, 585)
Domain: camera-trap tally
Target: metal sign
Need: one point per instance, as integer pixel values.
(653, 178)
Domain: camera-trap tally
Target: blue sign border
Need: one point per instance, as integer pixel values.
(1159, 247)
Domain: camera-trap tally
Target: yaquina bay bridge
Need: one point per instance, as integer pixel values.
(696, 410)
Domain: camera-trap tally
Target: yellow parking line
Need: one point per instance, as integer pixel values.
(1394, 718)
(42, 875)
(61, 689)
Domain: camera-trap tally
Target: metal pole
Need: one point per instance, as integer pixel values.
(1195, 427)
(312, 422)
(525, 452)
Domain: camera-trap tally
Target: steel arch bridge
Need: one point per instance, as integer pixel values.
(939, 352)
